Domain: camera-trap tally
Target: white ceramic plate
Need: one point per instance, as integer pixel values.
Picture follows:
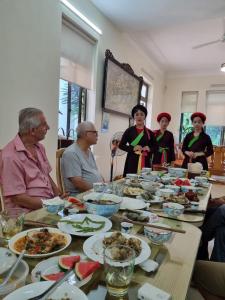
(24, 233)
(34, 289)
(93, 247)
(51, 266)
(131, 203)
(68, 228)
(7, 260)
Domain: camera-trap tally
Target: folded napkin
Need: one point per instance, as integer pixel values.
(150, 292)
(149, 265)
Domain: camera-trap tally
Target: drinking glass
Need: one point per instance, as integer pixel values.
(118, 266)
(10, 225)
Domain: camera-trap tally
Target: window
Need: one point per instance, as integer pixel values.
(215, 111)
(216, 134)
(144, 94)
(72, 107)
(188, 106)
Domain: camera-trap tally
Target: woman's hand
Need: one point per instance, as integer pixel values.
(190, 154)
(146, 148)
(137, 148)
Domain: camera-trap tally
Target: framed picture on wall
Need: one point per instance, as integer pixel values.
(121, 87)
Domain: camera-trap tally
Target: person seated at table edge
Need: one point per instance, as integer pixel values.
(78, 164)
(24, 165)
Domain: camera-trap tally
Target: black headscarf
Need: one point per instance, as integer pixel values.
(139, 107)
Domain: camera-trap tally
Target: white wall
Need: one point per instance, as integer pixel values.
(29, 73)
(173, 94)
(29, 60)
(125, 51)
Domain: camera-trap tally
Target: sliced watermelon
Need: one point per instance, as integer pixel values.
(85, 268)
(66, 262)
(54, 276)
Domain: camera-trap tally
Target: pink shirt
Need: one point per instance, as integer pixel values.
(21, 173)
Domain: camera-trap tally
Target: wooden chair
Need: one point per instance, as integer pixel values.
(59, 177)
(217, 164)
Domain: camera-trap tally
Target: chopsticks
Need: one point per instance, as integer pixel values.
(38, 224)
(123, 219)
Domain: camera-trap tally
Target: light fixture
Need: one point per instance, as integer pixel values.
(81, 16)
(222, 67)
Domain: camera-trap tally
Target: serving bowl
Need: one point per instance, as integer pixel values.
(173, 209)
(174, 188)
(151, 186)
(17, 280)
(186, 189)
(166, 192)
(100, 187)
(150, 176)
(178, 172)
(94, 203)
(158, 236)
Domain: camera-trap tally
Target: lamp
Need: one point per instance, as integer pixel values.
(81, 16)
(222, 67)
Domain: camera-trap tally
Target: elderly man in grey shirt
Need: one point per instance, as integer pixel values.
(79, 168)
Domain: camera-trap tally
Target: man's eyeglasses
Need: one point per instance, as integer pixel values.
(93, 131)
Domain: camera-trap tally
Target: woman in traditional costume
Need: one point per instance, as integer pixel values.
(197, 145)
(139, 143)
(165, 153)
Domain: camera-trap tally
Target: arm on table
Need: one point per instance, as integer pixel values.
(27, 201)
(80, 184)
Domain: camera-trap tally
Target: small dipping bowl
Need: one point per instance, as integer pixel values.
(126, 227)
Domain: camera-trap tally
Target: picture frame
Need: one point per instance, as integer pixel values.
(121, 87)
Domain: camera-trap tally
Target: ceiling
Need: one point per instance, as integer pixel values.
(166, 30)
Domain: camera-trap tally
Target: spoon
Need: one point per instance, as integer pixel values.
(13, 269)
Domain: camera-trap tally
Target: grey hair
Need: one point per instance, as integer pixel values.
(28, 119)
(82, 127)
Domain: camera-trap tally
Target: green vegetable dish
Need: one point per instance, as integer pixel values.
(85, 225)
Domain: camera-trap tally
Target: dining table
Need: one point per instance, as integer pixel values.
(176, 258)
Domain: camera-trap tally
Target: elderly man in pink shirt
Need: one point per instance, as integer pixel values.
(25, 168)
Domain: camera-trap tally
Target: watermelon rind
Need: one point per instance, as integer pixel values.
(53, 277)
(85, 268)
(66, 262)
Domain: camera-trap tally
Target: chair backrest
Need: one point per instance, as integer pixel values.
(218, 158)
(59, 177)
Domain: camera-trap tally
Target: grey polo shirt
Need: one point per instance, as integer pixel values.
(75, 163)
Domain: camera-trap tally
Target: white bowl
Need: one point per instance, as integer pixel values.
(173, 209)
(18, 279)
(178, 172)
(175, 188)
(166, 192)
(151, 186)
(131, 176)
(7, 259)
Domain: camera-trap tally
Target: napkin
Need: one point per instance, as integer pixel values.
(149, 265)
(150, 292)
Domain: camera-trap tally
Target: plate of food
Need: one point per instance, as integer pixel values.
(94, 246)
(84, 224)
(64, 291)
(39, 242)
(132, 191)
(54, 268)
(141, 216)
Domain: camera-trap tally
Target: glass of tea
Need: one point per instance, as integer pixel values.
(9, 226)
(118, 267)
